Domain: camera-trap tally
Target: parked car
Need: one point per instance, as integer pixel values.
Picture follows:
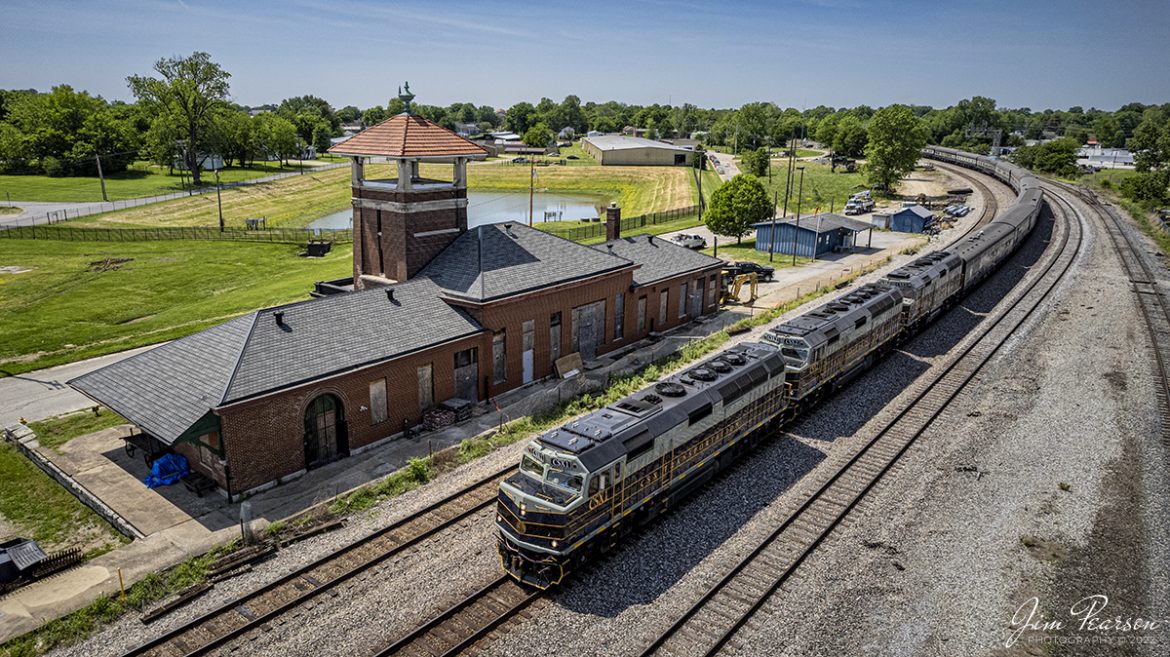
(762, 272)
(519, 160)
(690, 241)
(572, 157)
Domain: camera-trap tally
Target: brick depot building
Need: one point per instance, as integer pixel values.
(437, 312)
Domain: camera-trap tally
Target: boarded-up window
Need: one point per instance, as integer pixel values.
(619, 315)
(662, 301)
(426, 387)
(682, 301)
(499, 357)
(711, 286)
(641, 315)
(554, 337)
(378, 401)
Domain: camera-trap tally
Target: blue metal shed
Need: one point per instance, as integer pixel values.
(811, 236)
(911, 220)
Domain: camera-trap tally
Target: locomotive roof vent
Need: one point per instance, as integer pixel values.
(670, 389)
(734, 358)
(703, 374)
(652, 399)
(720, 366)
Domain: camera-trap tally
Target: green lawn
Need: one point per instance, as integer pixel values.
(730, 251)
(40, 508)
(821, 187)
(142, 179)
(56, 431)
(74, 304)
(1107, 179)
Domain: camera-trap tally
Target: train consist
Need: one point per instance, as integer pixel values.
(584, 486)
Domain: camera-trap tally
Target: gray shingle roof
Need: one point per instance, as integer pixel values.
(169, 388)
(342, 332)
(826, 220)
(660, 259)
(500, 260)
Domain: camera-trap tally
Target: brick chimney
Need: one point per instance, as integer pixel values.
(613, 222)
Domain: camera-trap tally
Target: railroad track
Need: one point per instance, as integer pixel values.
(473, 618)
(261, 606)
(723, 610)
(990, 204)
(1152, 303)
(466, 622)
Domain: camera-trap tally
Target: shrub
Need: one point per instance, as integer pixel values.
(53, 167)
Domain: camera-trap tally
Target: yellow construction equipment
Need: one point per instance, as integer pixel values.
(731, 294)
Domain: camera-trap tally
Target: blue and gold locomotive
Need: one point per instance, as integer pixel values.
(583, 486)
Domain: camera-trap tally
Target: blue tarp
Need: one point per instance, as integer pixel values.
(166, 470)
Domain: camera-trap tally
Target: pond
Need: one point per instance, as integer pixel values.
(495, 207)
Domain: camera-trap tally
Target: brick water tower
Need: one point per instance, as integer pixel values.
(403, 220)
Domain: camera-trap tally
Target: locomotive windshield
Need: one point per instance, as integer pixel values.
(565, 480)
(531, 466)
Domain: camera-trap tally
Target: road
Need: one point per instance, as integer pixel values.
(42, 393)
(724, 164)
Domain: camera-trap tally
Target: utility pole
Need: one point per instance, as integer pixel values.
(218, 200)
(531, 187)
(796, 232)
(772, 235)
(101, 177)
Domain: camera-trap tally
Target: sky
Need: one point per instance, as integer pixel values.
(796, 53)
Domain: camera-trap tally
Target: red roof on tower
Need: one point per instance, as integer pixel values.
(408, 135)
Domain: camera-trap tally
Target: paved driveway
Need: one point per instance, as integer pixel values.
(42, 393)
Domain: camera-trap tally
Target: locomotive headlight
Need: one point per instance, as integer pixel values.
(554, 544)
(523, 508)
(499, 518)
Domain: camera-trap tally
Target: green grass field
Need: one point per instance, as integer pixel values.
(79, 301)
(142, 179)
(56, 431)
(821, 187)
(730, 251)
(38, 507)
(296, 201)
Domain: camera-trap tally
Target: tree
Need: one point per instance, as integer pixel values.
(193, 88)
(374, 115)
(538, 136)
(62, 132)
(896, 139)
(276, 136)
(519, 117)
(756, 162)
(349, 114)
(1151, 142)
(850, 137)
(1108, 131)
(737, 205)
(234, 138)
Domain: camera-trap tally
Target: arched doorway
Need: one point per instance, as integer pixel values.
(325, 435)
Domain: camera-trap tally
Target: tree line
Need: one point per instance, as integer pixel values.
(184, 111)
